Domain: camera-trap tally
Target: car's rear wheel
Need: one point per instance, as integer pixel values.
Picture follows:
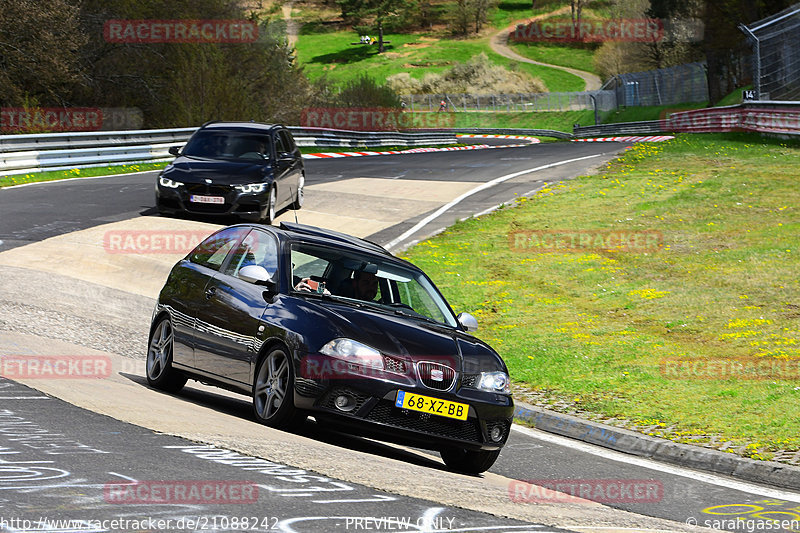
(160, 373)
(299, 197)
(269, 216)
(273, 390)
(469, 461)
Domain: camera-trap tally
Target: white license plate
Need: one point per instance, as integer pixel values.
(206, 199)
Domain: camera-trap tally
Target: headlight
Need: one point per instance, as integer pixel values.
(354, 352)
(494, 382)
(251, 187)
(166, 182)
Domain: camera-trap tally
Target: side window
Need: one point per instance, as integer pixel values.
(288, 141)
(280, 148)
(212, 251)
(258, 248)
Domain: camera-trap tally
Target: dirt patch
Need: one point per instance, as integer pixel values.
(395, 55)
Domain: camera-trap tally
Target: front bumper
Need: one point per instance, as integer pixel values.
(178, 200)
(374, 413)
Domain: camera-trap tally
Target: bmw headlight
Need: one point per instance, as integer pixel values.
(251, 187)
(170, 184)
(494, 382)
(354, 352)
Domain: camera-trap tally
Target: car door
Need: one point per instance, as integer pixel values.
(296, 167)
(184, 292)
(233, 311)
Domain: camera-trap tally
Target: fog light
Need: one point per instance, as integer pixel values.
(345, 403)
(496, 433)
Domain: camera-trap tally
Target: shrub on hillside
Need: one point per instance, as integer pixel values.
(476, 76)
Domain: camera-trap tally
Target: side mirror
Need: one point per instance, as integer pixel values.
(255, 274)
(175, 150)
(467, 321)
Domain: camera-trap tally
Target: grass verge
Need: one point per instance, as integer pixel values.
(52, 175)
(594, 331)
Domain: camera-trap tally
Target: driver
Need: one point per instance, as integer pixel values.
(363, 285)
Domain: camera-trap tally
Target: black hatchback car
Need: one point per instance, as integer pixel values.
(246, 169)
(310, 321)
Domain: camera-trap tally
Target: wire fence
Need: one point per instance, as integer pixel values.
(776, 55)
(667, 86)
(567, 101)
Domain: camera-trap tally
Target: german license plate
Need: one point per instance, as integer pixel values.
(434, 406)
(206, 199)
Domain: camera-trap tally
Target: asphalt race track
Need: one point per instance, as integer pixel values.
(69, 448)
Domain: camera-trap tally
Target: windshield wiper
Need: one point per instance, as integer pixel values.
(414, 314)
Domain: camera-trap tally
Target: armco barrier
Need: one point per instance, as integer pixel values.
(20, 154)
(781, 118)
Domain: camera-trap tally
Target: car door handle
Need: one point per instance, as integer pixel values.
(210, 292)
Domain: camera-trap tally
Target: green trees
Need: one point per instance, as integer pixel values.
(56, 53)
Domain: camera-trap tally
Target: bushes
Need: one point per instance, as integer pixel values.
(477, 76)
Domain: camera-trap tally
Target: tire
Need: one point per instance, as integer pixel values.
(160, 374)
(469, 461)
(300, 196)
(273, 390)
(269, 216)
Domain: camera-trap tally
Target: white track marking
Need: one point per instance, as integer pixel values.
(424, 222)
(711, 479)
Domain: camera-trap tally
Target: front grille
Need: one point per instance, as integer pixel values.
(469, 380)
(436, 376)
(386, 413)
(398, 366)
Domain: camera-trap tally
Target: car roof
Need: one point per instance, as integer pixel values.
(325, 236)
(241, 126)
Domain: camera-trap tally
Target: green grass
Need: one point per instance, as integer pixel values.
(551, 120)
(52, 175)
(331, 54)
(593, 328)
(508, 11)
(554, 54)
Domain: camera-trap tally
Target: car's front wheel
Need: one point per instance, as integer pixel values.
(269, 215)
(469, 461)
(160, 373)
(273, 402)
(299, 197)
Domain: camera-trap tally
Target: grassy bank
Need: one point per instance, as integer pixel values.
(331, 54)
(598, 329)
(52, 175)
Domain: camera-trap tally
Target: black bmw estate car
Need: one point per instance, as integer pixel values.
(246, 169)
(314, 322)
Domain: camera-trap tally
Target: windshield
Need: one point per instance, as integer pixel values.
(368, 279)
(219, 144)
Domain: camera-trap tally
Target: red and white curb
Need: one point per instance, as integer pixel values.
(330, 155)
(628, 139)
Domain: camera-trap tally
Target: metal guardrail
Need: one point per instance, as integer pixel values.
(21, 154)
(621, 128)
(508, 131)
(766, 117)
